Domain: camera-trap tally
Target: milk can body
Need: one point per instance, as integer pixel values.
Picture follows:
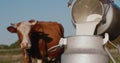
(85, 49)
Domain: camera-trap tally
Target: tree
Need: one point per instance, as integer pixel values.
(15, 45)
(2, 46)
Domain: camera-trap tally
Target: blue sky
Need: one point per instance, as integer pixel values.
(13, 11)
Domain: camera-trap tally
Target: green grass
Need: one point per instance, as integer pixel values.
(19, 60)
(10, 56)
(9, 51)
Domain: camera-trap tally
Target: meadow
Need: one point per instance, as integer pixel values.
(10, 56)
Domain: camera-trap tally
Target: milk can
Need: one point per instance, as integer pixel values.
(85, 49)
(92, 20)
(102, 11)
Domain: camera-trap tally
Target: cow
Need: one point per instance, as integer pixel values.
(37, 40)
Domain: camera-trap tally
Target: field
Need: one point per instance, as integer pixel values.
(14, 56)
(10, 56)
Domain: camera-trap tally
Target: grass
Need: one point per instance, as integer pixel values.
(11, 60)
(10, 56)
(9, 51)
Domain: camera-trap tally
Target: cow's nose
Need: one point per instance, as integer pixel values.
(25, 45)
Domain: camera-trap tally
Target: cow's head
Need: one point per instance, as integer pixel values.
(23, 30)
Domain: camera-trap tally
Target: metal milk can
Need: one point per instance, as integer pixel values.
(91, 19)
(85, 49)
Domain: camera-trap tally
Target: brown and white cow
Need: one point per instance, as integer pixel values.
(36, 37)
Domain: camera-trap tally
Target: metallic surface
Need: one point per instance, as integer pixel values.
(81, 9)
(85, 49)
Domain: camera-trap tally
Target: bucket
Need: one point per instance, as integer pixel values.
(94, 10)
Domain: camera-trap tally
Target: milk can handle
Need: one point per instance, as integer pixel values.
(116, 46)
(105, 41)
(110, 55)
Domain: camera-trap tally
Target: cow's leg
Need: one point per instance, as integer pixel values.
(42, 51)
(26, 57)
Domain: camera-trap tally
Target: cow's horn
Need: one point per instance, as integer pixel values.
(13, 24)
(33, 22)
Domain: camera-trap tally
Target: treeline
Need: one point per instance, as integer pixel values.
(12, 46)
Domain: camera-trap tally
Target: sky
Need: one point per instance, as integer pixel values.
(14, 11)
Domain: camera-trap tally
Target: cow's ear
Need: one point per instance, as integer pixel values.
(11, 29)
(33, 22)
